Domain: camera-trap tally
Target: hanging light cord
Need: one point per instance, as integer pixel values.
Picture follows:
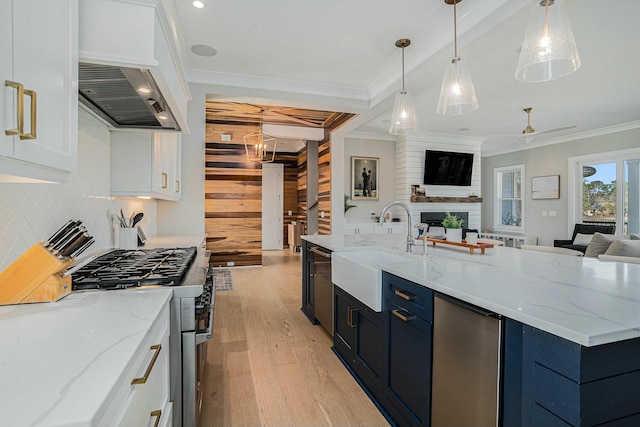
(403, 70)
(455, 31)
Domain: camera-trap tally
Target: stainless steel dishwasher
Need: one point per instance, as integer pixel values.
(323, 287)
(467, 360)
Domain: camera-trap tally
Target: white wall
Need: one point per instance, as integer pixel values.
(386, 151)
(29, 213)
(187, 215)
(410, 153)
(549, 160)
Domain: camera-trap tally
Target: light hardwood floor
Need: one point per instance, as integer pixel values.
(268, 366)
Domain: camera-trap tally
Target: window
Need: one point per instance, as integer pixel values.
(606, 190)
(509, 209)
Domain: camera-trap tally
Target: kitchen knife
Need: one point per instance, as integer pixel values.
(82, 248)
(57, 233)
(75, 244)
(64, 233)
(63, 243)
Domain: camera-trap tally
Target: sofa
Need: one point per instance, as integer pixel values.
(605, 247)
(582, 234)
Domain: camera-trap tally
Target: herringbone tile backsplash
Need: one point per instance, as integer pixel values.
(29, 213)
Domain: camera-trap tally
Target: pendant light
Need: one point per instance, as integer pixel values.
(403, 117)
(549, 50)
(457, 95)
(259, 146)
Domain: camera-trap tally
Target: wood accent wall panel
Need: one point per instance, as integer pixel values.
(324, 187)
(233, 199)
(302, 183)
(290, 191)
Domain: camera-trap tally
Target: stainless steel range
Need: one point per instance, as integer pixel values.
(185, 269)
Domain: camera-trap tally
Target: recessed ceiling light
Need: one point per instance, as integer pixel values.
(198, 4)
(203, 50)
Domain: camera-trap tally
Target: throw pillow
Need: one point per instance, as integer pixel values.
(582, 239)
(600, 243)
(629, 248)
(635, 237)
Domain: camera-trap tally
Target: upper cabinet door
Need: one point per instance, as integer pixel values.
(45, 64)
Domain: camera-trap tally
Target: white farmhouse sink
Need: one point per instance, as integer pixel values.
(359, 273)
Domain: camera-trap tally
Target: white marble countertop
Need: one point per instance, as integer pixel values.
(60, 360)
(580, 299)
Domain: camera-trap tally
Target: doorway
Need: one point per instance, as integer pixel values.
(272, 206)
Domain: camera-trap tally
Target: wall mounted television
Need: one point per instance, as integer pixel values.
(447, 168)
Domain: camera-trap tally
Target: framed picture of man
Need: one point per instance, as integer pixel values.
(364, 178)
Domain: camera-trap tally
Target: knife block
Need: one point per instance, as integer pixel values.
(36, 276)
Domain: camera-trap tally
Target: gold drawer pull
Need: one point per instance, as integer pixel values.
(402, 316)
(158, 415)
(19, 108)
(143, 379)
(34, 109)
(164, 180)
(350, 320)
(405, 296)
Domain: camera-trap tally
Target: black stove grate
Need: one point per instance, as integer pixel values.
(121, 269)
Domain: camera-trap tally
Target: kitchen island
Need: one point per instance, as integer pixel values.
(572, 325)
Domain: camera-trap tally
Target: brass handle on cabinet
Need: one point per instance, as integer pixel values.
(164, 180)
(34, 109)
(19, 108)
(144, 378)
(158, 415)
(402, 316)
(350, 317)
(402, 295)
(177, 186)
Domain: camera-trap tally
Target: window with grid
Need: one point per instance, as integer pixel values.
(509, 197)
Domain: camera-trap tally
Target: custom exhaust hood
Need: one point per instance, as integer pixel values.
(124, 97)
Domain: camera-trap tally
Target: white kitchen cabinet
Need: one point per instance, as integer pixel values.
(374, 228)
(39, 105)
(142, 397)
(146, 164)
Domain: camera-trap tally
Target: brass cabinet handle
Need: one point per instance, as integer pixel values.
(402, 316)
(144, 378)
(164, 180)
(19, 108)
(158, 415)
(350, 317)
(34, 109)
(403, 295)
(177, 186)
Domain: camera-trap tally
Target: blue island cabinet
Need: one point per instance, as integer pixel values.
(566, 384)
(408, 311)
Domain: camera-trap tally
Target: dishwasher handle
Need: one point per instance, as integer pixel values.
(468, 306)
(315, 250)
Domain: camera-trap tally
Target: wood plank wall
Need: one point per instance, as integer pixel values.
(233, 197)
(302, 184)
(324, 186)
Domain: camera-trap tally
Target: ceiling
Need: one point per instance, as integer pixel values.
(341, 56)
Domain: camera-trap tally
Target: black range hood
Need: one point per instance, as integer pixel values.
(124, 97)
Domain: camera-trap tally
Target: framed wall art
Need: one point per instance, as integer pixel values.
(545, 187)
(364, 178)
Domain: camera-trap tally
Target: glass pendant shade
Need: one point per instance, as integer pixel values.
(457, 94)
(549, 49)
(403, 117)
(260, 147)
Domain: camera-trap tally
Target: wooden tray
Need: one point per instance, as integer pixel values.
(472, 248)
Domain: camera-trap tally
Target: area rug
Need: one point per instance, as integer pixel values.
(222, 280)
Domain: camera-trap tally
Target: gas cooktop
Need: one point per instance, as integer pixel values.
(121, 268)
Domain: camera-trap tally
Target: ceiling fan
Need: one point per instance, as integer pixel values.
(529, 133)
